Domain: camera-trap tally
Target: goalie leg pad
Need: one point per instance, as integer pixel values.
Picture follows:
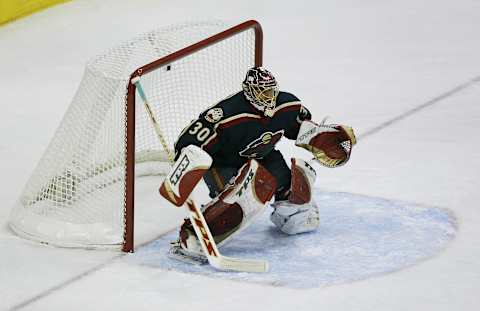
(235, 208)
(300, 213)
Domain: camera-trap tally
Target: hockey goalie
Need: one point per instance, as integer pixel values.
(232, 147)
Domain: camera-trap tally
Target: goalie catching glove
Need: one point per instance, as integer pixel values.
(330, 144)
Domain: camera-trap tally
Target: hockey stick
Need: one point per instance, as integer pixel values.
(199, 224)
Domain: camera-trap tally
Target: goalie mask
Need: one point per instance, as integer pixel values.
(261, 89)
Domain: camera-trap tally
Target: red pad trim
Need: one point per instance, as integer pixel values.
(329, 142)
(187, 184)
(265, 184)
(301, 192)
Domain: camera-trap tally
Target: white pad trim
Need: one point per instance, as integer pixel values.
(243, 193)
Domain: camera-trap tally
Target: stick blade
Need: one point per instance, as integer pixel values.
(237, 264)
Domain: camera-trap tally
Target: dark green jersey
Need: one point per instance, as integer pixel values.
(233, 130)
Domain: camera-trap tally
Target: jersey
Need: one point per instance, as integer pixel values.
(233, 130)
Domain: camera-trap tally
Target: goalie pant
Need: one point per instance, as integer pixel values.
(246, 196)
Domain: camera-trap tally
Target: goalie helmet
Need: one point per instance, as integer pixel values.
(261, 89)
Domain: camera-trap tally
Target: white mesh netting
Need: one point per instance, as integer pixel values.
(75, 197)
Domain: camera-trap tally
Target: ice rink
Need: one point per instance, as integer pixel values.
(404, 74)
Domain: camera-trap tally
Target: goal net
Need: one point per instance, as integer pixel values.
(81, 193)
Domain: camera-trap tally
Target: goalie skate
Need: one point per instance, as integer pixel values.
(187, 248)
(177, 252)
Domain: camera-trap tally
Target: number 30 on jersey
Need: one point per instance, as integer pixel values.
(199, 131)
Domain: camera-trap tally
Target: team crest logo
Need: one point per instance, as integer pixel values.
(262, 146)
(214, 115)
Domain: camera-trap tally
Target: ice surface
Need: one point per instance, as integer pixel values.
(359, 237)
(360, 62)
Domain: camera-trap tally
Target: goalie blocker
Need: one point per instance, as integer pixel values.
(187, 171)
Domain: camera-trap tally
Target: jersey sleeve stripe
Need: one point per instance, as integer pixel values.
(236, 119)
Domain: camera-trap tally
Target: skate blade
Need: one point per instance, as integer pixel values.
(178, 253)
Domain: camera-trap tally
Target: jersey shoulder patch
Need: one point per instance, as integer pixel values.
(213, 115)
